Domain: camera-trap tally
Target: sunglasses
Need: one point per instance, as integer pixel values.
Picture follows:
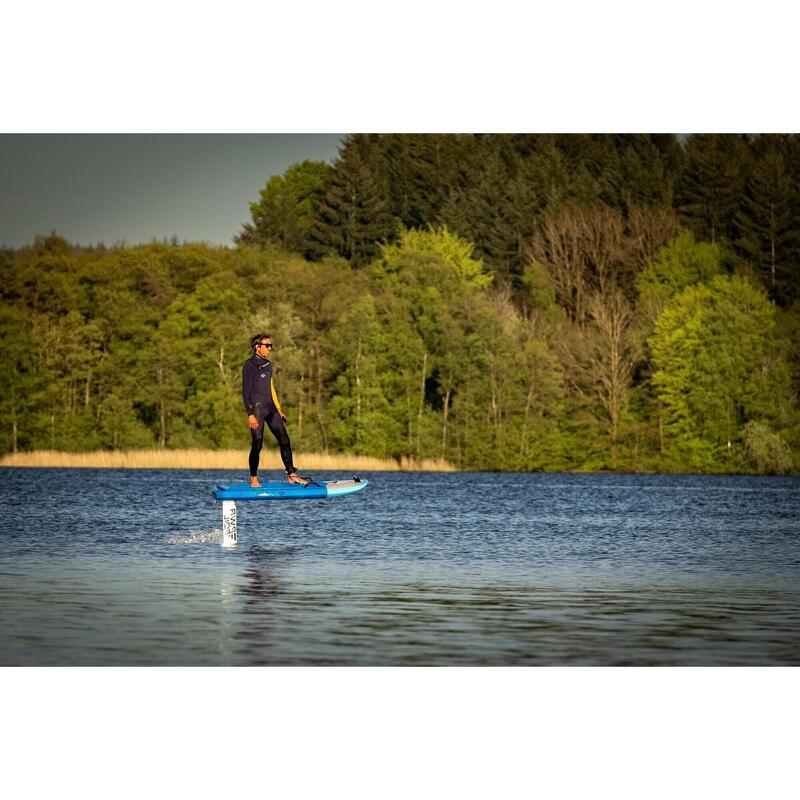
(265, 344)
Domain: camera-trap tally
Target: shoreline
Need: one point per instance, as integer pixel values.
(195, 458)
(198, 458)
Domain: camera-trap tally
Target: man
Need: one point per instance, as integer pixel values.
(263, 409)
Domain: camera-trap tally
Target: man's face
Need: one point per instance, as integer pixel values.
(264, 348)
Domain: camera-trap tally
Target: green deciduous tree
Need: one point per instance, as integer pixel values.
(427, 281)
(681, 263)
(362, 417)
(767, 451)
(508, 402)
(717, 367)
(22, 390)
(287, 207)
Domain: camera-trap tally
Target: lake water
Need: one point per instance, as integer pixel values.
(124, 567)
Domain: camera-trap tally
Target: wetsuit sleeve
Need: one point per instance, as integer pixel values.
(247, 382)
(275, 396)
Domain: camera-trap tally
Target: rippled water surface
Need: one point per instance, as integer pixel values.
(102, 567)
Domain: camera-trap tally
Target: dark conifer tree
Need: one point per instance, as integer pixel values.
(766, 236)
(484, 214)
(400, 178)
(550, 176)
(421, 169)
(710, 190)
(672, 156)
(582, 159)
(792, 289)
(354, 218)
(647, 174)
(622, 170)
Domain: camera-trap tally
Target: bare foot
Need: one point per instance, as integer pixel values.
(293, 477)
(254, 484)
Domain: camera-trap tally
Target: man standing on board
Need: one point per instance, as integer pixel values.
(264, 410)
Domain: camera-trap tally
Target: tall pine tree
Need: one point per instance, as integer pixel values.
(766, 235)
(421, 169)
(481, 213)
(353, 218)
(710, 189)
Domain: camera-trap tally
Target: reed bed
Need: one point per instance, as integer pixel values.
(217, 459)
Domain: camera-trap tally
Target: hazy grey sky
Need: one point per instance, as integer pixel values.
(93, 188)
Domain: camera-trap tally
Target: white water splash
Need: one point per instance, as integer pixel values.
(197, 537)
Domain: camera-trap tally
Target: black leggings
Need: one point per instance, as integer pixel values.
(272, 420)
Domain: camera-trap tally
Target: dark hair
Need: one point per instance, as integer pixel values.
(257, 338)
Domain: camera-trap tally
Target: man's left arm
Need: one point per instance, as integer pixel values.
(275, 398)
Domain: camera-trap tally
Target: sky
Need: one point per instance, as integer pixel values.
(137, 187)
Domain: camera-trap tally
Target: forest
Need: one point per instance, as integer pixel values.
(504, 302)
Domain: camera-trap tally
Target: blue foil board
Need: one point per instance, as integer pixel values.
(280, 490)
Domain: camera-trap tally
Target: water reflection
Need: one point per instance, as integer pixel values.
(261, 591)
(227, 621)
(262, 583)
(415, 622)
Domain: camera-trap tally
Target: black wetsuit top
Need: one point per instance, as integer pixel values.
(257, 385)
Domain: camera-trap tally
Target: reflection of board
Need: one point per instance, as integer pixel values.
(280, 490)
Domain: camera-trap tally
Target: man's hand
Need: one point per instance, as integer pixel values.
(252, 422)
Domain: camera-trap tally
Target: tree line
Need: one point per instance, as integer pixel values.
(515, 302)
